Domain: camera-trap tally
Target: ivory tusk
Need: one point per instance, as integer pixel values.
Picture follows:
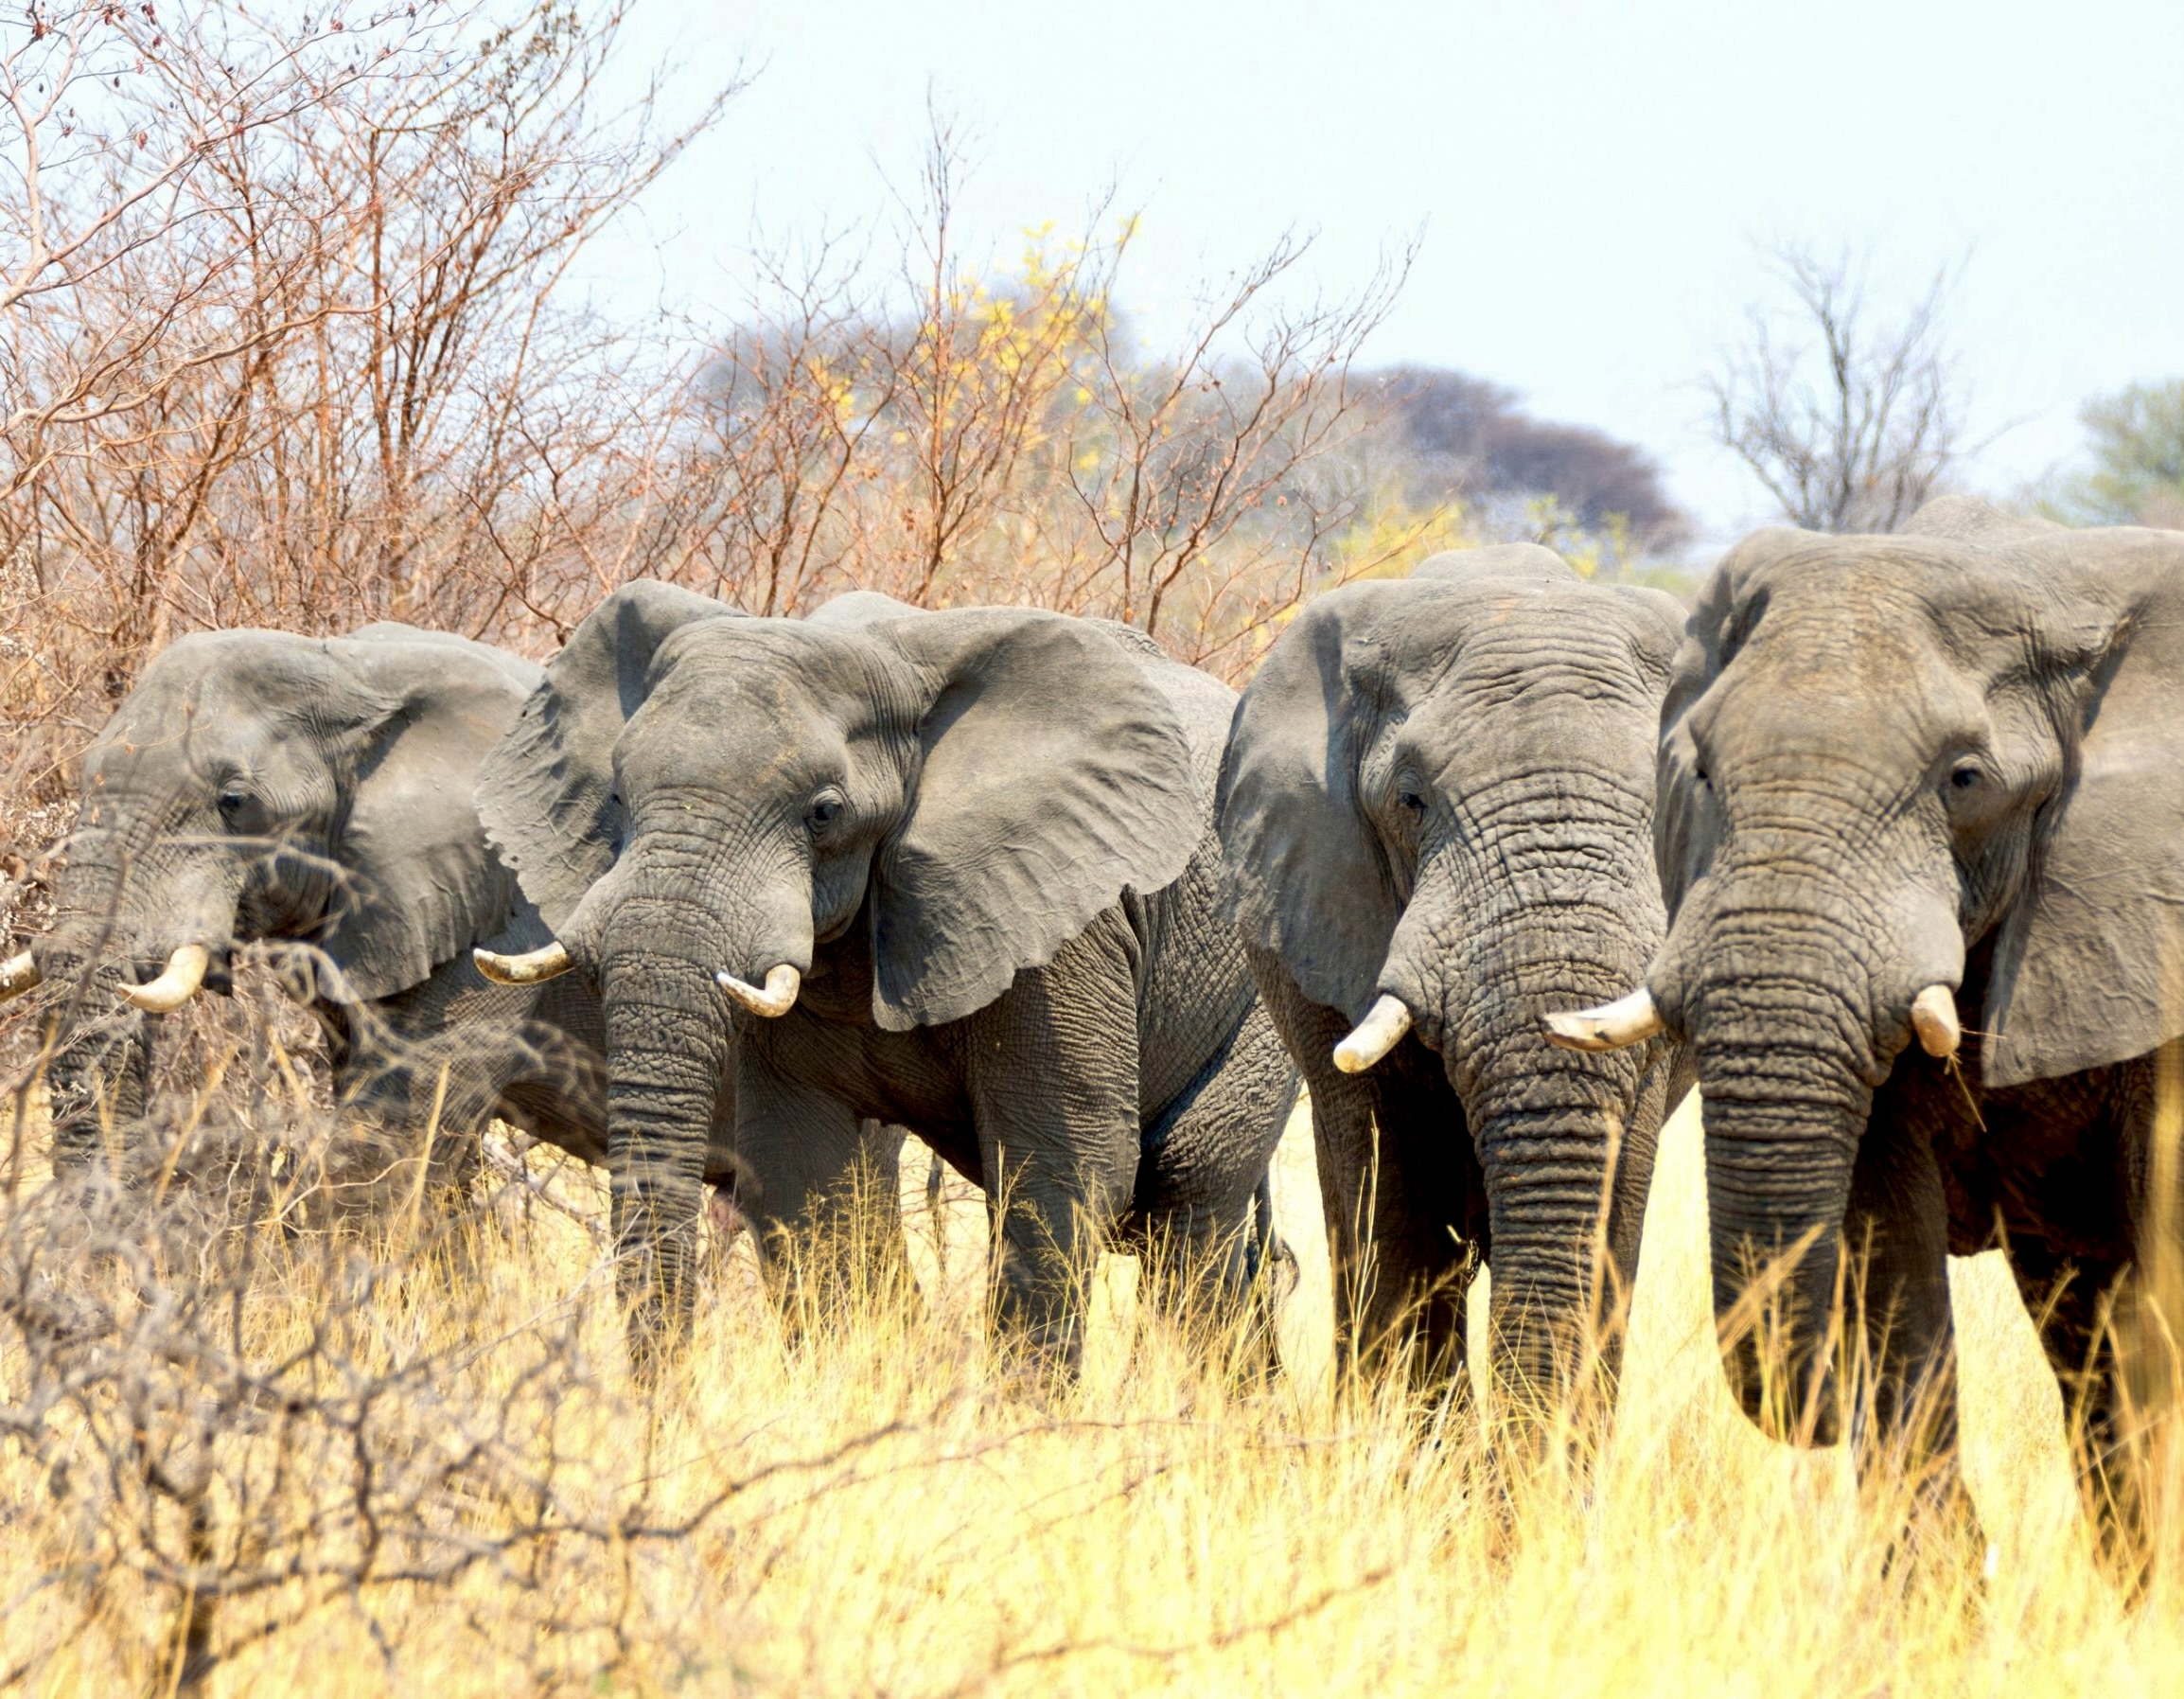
(532, 967)
(1380, 1031)
(782, 983)
(184, 974)
(1933, 1016)
(18, 974)
(1627, 1020)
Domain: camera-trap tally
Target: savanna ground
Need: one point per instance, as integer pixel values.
(436, 1479)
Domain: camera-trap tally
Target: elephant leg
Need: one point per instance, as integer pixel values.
(1429, 1212)
(1401, 1188)
(1399, 1284)
(419, 1076)
(1904, 1403)
(821, 1190)
(1203, 1168)
(1051, 1069)
(2084, 1314)
(1896, 1241)
(558, 1093)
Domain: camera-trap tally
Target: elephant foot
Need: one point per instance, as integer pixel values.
(2122, 1541)
(1940, 1540)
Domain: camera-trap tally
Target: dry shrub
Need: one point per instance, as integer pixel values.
(292, 342)
(251, 1452)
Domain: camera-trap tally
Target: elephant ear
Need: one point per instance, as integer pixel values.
(2088, 965)
(1686, 823)
(546, 791)
(1305, 876)
(420, 884)
(1053, 775)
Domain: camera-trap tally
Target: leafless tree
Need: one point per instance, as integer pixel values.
(1849, 418)
(956, 430)
(283, 332)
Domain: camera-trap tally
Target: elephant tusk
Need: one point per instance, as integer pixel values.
(18, 974)
(1627, 1020)
(532, 967)
(1933, 1016)
(184, 974)
(778, 997)
(1380, 1031)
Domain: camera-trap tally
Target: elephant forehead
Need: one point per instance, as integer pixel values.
(1895, 598)
(228, 692)
(1872, 640)
(1541, 645)
(770, 665)
(759, 725)
(1883, 697)
(202, 733)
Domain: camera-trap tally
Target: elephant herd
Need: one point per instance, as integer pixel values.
(1882, 846)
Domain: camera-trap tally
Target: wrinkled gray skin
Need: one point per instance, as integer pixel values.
(1441, 789)
(1953, 756)
(257, 786)
(982, 840)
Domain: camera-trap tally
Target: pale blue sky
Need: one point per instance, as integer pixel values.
(1591, 178)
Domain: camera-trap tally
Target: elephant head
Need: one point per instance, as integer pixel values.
(1437, 812)
(256, 785)
(1905, 779)
(883, 813)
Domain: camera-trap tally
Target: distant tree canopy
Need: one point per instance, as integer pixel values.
(2137, 451)
(1464, 437)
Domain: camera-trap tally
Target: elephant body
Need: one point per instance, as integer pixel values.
(258, 787)
(1438, 809)
(968, 854)
(1922, 837)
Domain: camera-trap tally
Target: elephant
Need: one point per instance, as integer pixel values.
(1921, 836)
(1437, 808)
(952, 870)
(257, 786)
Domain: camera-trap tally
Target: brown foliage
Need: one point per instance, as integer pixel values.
(290, 343)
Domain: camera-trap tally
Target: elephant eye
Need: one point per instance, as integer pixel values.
(1412, 801)
(826, 810)
(1964, 775)
(234, 805)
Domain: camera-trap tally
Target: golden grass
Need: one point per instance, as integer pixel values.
(928, 1530)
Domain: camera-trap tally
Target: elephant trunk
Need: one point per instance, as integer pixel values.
(1540, 923)
(140, 923)
(668, 1049)
(1549, 1169)
(670, 942)
(97, 1057)
(1787, 1064)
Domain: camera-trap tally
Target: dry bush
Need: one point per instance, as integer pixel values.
(949, 433)
(247, 1452)
(288, 344)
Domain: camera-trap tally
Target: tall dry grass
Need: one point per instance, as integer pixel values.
(872, 1508)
